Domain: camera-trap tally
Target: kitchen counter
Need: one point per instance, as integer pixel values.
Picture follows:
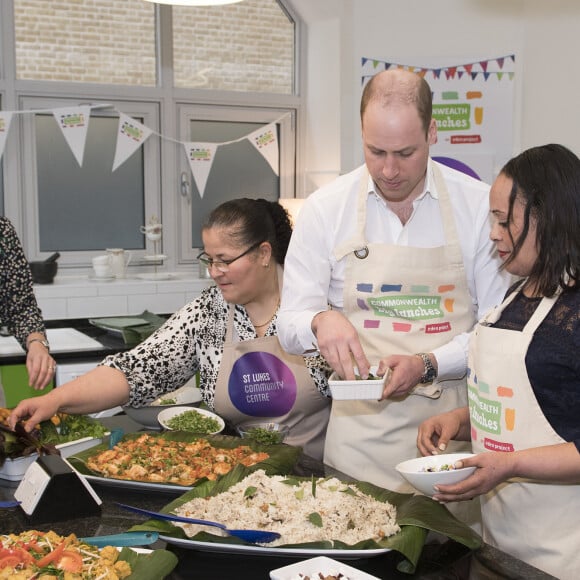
(446, 561)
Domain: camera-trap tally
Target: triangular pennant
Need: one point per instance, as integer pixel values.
(486, 75)
(74, 123)
(200, 157)
(500, 62)
(483, 65)
(130, 136)
(468, 67)
(265, 140)
(5, 119)
(436, 72)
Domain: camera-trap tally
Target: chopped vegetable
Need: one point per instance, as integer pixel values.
(265, 436)
(168, 402)
(193, 421)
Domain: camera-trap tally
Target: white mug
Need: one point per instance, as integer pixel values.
(152, 231)
(102, 267)
(119, 260)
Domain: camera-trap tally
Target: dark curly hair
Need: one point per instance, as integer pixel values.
(547, 181)
(252, 221)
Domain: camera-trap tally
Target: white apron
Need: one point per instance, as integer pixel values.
(536, 522)
(401, 300)
(258, 381)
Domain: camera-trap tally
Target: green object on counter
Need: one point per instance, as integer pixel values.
(133, 329)
(14, 381)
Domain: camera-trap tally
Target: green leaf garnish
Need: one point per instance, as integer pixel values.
(315, 519)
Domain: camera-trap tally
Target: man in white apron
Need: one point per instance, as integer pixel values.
(405, 255)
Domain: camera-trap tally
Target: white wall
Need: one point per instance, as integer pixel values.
(542, 34)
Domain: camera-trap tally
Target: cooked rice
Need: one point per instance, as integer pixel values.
(346, 513)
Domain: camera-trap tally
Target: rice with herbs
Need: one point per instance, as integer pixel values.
(305, 511)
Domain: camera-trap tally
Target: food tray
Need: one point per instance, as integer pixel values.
(319, 567)
(356, 390)
(14, 469)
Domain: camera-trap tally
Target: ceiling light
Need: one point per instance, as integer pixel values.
(195, 2)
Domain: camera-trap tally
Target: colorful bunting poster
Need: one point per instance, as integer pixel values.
(131, 135)
(5, 119)
(473, 106)
(74, 123)
(265, 140)
(200, 157)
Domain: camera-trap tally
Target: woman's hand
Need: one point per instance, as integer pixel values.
(40, 365)
(492, 469)
(435, 433)
(33, 411)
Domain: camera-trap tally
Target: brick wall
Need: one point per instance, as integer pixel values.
(247, 46)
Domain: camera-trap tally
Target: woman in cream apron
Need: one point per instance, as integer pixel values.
(401, 300)
(534, 521)
(258, 381)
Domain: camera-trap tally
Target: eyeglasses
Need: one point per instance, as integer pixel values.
(224, 265)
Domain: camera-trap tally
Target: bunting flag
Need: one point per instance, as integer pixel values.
(130, 136)
(5, 119)
(265, 140)
(200, 157)
(74, 122)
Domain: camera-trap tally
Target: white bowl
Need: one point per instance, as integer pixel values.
(312, 567)
(147, 415)
(415, 471)
(358, 389)
(167, 414)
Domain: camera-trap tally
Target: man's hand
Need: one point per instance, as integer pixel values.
(406, 371)
(339, 344)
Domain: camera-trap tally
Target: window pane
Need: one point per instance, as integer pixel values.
(247, 46)
(86, 41)
(238, 170)
(89, 207)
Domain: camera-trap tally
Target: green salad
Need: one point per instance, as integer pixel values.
(195, 422)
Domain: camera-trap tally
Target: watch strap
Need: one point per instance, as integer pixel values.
(429, 372)
(42, 341)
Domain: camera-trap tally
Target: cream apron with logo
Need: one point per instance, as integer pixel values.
(402, 300)
(258, 381)
(536, 522)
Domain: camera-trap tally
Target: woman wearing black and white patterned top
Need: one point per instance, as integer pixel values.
(228, 334)
(19, 311)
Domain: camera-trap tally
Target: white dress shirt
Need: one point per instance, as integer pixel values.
(314, 274)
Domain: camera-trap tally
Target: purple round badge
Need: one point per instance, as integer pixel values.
(262, 385)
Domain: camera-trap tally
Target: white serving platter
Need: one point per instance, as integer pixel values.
(14, 469)
(319, 567)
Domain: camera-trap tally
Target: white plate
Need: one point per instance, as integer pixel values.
(137, 485)
(278, 551)
(154, 257)
(14, 469)
(167, 414)
(320, 565)
(155, 276)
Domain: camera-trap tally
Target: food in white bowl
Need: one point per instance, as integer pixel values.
(268, 433)
(192, 420)
(370, 388)
(425, 472)
(147, 416)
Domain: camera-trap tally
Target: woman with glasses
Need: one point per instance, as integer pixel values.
(228, 334)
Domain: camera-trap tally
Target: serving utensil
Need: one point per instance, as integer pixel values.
(251, 536)
(127, 539)
(9, 504)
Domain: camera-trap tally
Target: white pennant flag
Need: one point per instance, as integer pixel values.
(200, 157)
(265, 140)
(130, 136)
(74, 122)
(5, 118)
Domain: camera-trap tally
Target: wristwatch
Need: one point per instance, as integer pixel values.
(44, 343)
(429, 374)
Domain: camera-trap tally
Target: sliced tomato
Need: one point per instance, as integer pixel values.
(70, 561)
(53, 556)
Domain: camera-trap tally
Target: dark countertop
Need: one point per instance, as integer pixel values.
(446, 561)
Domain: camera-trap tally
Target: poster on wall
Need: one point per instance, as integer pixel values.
(473, 104)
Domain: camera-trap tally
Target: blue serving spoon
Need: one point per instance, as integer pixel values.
(128, 539)
(251, 536)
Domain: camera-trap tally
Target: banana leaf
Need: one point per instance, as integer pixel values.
(281, 457)
(154, 565)
(416, 515)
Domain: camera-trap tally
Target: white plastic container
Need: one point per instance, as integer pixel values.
(319, 567)
(358, 389)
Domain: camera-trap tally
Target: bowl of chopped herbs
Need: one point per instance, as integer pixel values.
(189, 419)
(267, 433)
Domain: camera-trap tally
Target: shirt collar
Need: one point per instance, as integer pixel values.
(429, 187)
